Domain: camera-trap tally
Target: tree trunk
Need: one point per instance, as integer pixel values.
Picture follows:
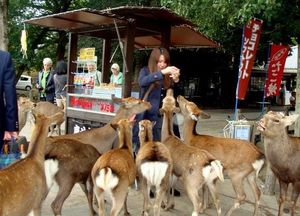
(3, 25)
(61, 45)
(297, 123)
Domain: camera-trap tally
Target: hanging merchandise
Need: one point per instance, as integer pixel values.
(24, 42)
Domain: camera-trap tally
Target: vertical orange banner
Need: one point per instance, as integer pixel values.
(251, 38)
(278, 57)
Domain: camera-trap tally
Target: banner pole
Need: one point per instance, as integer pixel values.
(266, 74)
(238, 81)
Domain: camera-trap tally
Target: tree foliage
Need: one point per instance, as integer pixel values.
(43, 42)
(224, 20)
(221, 20)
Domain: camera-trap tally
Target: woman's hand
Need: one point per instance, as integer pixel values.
(173, 72)
(169, 70)
(175, 77)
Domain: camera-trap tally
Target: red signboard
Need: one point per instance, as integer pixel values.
(92, 104)
(251, 37)
(278, 57)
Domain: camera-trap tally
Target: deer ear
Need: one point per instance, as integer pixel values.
(194, 117)
(114, 126)
(116, 99)
(204, 115)
(141, 127)
(289, 120)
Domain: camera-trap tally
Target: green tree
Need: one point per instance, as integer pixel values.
(224, 20)
(43, 41)
(3, 25)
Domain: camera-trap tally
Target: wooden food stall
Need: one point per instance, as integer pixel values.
(133, 26)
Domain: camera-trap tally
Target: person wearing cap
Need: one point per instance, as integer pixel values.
(117, 76)
(92, 69)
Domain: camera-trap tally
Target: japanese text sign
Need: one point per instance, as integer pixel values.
(251, 38)
(278, 57)
(87, 54)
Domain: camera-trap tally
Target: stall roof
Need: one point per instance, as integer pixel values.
(149, 24)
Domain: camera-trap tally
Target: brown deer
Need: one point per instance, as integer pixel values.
(23, 184)
(154, 165)
(283, 154)
(48, 109)
(24, 106)
(103, 138)
(241, 159)
(29, 125)
(193, 166)
(75, 162)
(115, 171)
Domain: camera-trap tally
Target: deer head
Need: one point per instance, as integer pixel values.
(190, 110)
(274, 123)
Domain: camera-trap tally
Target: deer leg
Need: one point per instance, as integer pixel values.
(58, 129)
(118, 200)
(126, 213)
(192, 188)
(88, 191)
(145, 191)
(99, 192)
(213, 190)
(52, 126)
(295, 195)
(252, 182)
(160, 194)
(237, 183)
(204, 198)
(65, 188)
(283, 192)
(37, 211)
(169, 197)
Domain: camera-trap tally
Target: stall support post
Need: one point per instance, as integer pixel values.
(166, 35)
(128, 66)
(105, 60)
(297, 124)
(72, 55)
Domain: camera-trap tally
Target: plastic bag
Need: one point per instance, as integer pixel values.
(10, 153)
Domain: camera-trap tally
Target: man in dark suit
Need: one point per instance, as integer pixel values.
(8, 99)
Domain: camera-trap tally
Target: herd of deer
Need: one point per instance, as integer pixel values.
(90, 159)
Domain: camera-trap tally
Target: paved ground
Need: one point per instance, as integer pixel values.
(76, 204)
